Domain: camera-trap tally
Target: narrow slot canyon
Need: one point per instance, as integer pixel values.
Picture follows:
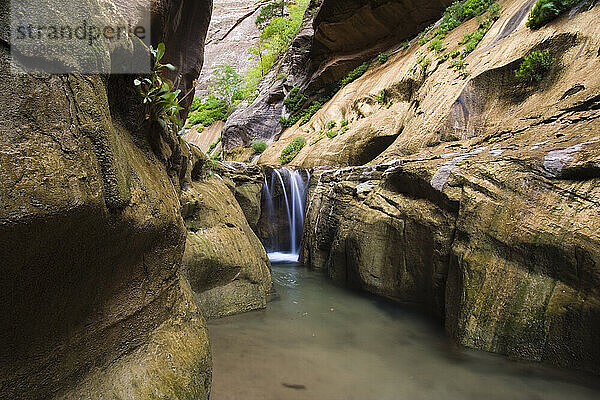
(300, 199)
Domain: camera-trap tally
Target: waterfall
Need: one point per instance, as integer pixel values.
(284, 198)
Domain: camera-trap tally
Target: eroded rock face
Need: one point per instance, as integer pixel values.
(350, 32)
(224, 261)
(182, 25)
(260, 120)
(336, 36)
(231, 32)
(91, 240)
(482, 207)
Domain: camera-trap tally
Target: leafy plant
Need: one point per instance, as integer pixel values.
(162, 103)
(535, 66)
(383, 57)
(405, 45)
(332, 134)
(227, 85)
(354, 74)
(292, 150)
(214, 145)
(208, 112)
(331, 125)
(259, 147)
(423, 62)
(437, 46)
(459, 65)
(295, 100)
(381, 97)
(545, 11)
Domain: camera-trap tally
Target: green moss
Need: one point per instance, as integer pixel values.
(455, 15)
(259, 147)
(292, 150)
(295, 100)
(208, 112)
(383, 57)
(354, 74)
(535, 66)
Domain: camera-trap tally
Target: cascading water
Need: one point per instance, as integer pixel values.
(284, 197)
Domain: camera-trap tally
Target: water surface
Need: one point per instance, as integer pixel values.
(318, 341)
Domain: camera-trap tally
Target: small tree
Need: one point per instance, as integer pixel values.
(269, 12)
(227, 85)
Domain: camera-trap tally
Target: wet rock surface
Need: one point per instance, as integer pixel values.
(224, 261)
(482, 209)
(91, 236)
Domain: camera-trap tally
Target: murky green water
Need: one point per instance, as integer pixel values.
(318, 341)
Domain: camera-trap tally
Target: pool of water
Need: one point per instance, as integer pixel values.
(319, 341)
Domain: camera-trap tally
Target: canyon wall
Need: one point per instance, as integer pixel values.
(231, 32)
(335, 37)
(93, 300)
(472, 195)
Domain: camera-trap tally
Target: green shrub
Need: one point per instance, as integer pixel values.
(545, 11)
(331, 124)
(455, 15)
(455, 53)
(344, 123)
(332, 134)
(423, 62)
(292, 150)
(259, 147)
(383, 57)
(354, 74)
(437, 46)
(196, 103)
(211, 110)
(295, 100)
(534, 66)
(405, 45)
(381, 97)
(213, 145)
(459, 65)
(471, 40)
(310, 111)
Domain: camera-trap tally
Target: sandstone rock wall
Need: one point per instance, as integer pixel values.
(260, 119)
(91, 236)
(336, 36)
(479, 196)
(231, 32)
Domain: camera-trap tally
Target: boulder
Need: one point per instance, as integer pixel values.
(224, 261)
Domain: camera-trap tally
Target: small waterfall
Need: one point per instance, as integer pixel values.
(284, 199)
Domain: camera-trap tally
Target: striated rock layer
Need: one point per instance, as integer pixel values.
(93, 303)
(335, 37)
(475, 198)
